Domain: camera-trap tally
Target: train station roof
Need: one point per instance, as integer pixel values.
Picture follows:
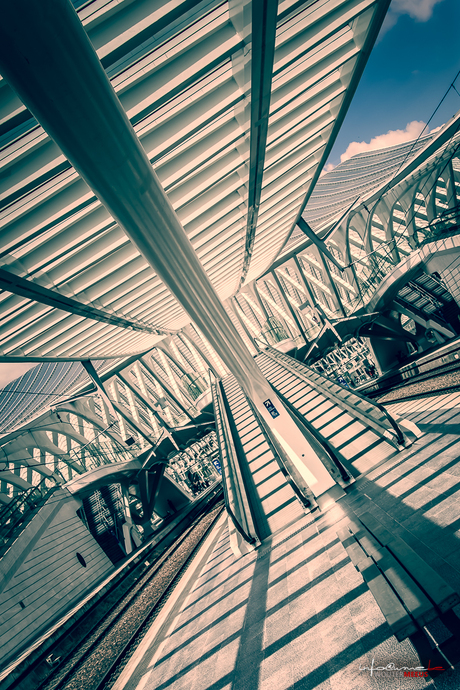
(237, 106)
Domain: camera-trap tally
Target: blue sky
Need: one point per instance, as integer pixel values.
(413, 62)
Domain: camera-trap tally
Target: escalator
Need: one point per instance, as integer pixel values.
(345, 434)
(360, 431)
(273, 497)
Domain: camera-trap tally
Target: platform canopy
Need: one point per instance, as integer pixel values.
(237, 105)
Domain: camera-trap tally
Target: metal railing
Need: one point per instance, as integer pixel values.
(448, 223)
(15, 515)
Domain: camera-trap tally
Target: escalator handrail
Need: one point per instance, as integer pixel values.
(247, 537)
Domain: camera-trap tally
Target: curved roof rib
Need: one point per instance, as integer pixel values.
(237, 142)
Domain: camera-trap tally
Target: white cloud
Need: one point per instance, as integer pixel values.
(327, 168)
(417, 9)
(382, 141)
(9, 372)
(421, 10)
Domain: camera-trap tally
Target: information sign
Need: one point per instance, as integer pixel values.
(271, 408)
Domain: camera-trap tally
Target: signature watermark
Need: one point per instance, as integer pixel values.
(408, 671)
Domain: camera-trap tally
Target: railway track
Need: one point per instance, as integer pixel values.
(438, 372)
(437, 382)
(95, 662)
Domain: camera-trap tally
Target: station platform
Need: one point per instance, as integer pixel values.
(295, 614)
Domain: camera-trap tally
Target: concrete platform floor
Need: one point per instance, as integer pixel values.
(296, 614)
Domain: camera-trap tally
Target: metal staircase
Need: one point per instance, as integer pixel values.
(104, 524)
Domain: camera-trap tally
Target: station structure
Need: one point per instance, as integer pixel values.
(203, 304)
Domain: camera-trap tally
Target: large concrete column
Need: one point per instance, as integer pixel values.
(47, 58)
